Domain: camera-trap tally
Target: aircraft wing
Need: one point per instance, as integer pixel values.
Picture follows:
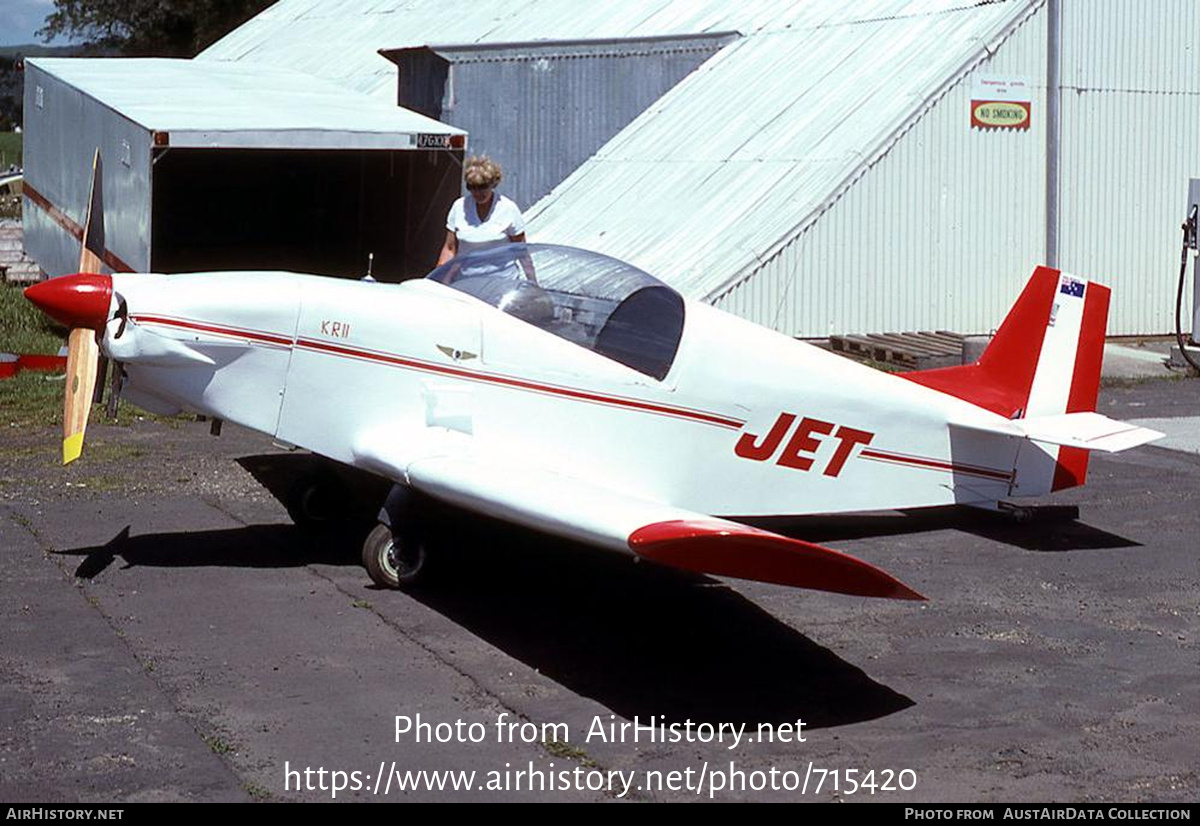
(449, 466)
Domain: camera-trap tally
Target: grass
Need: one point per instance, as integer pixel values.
(11, 149)
(26, 523)
(103, 483)
(256, 791)
(41, 50)
(23, 328)
(218, 744)
(29, 397)
(116, 451)
(566, 751)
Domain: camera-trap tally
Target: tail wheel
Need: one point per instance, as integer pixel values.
(393, 561)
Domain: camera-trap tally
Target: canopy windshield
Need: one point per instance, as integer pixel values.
(597, 302)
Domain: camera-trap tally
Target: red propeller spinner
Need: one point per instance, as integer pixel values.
(80, 300)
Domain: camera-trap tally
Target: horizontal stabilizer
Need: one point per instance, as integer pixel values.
(1089, 431)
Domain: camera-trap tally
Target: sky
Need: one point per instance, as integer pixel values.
(20, 20)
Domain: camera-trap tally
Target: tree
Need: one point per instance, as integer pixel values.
(136, 28)
(10, 94)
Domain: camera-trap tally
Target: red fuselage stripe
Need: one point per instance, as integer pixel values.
(521, 384)
(398, 361)
(252, 335)
(936, 464)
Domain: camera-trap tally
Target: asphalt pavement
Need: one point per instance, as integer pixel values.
(169, 634)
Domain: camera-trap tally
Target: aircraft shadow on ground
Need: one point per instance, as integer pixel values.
(253, 546)
(1047, 528)
(640, 639)
(342, 491)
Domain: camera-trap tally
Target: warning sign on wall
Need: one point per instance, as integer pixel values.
(1000, 102)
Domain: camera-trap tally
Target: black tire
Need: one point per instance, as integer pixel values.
(313, 503)
(392, 561)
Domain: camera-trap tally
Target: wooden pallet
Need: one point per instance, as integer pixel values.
(913, 351)
(15, 265)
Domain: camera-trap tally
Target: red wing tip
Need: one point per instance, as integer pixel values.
(904, 592)
(730, 549)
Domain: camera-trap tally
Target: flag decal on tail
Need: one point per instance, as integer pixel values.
(1072, 286)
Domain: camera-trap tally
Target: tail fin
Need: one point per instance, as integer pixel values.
(1044, 360)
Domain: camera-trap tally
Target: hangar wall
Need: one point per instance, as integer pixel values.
(950, 221)
(941, 231)
(63, 129)
(1131, 142)
(542, 109)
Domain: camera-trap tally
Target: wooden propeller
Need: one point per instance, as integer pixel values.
(83, 348)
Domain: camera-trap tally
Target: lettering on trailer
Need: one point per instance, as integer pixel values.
(335, 329)
(805, 445)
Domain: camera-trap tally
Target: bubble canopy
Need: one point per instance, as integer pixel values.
(596, 302)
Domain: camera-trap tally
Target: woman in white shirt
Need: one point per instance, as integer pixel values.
(485, 219)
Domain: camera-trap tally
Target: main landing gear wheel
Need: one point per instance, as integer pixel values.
(315, 502)
(393, 561)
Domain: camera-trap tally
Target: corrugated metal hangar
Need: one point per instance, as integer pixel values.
(231, 166)
(818, 167)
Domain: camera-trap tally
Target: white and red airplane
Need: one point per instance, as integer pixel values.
(570, 392)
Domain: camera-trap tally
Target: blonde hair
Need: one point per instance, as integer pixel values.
(480, 170)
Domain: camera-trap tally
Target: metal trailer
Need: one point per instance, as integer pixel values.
(540, 109)
(219, 166)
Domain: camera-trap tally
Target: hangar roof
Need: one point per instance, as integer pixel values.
(748, 151)
(731, 164)
(241, 105)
